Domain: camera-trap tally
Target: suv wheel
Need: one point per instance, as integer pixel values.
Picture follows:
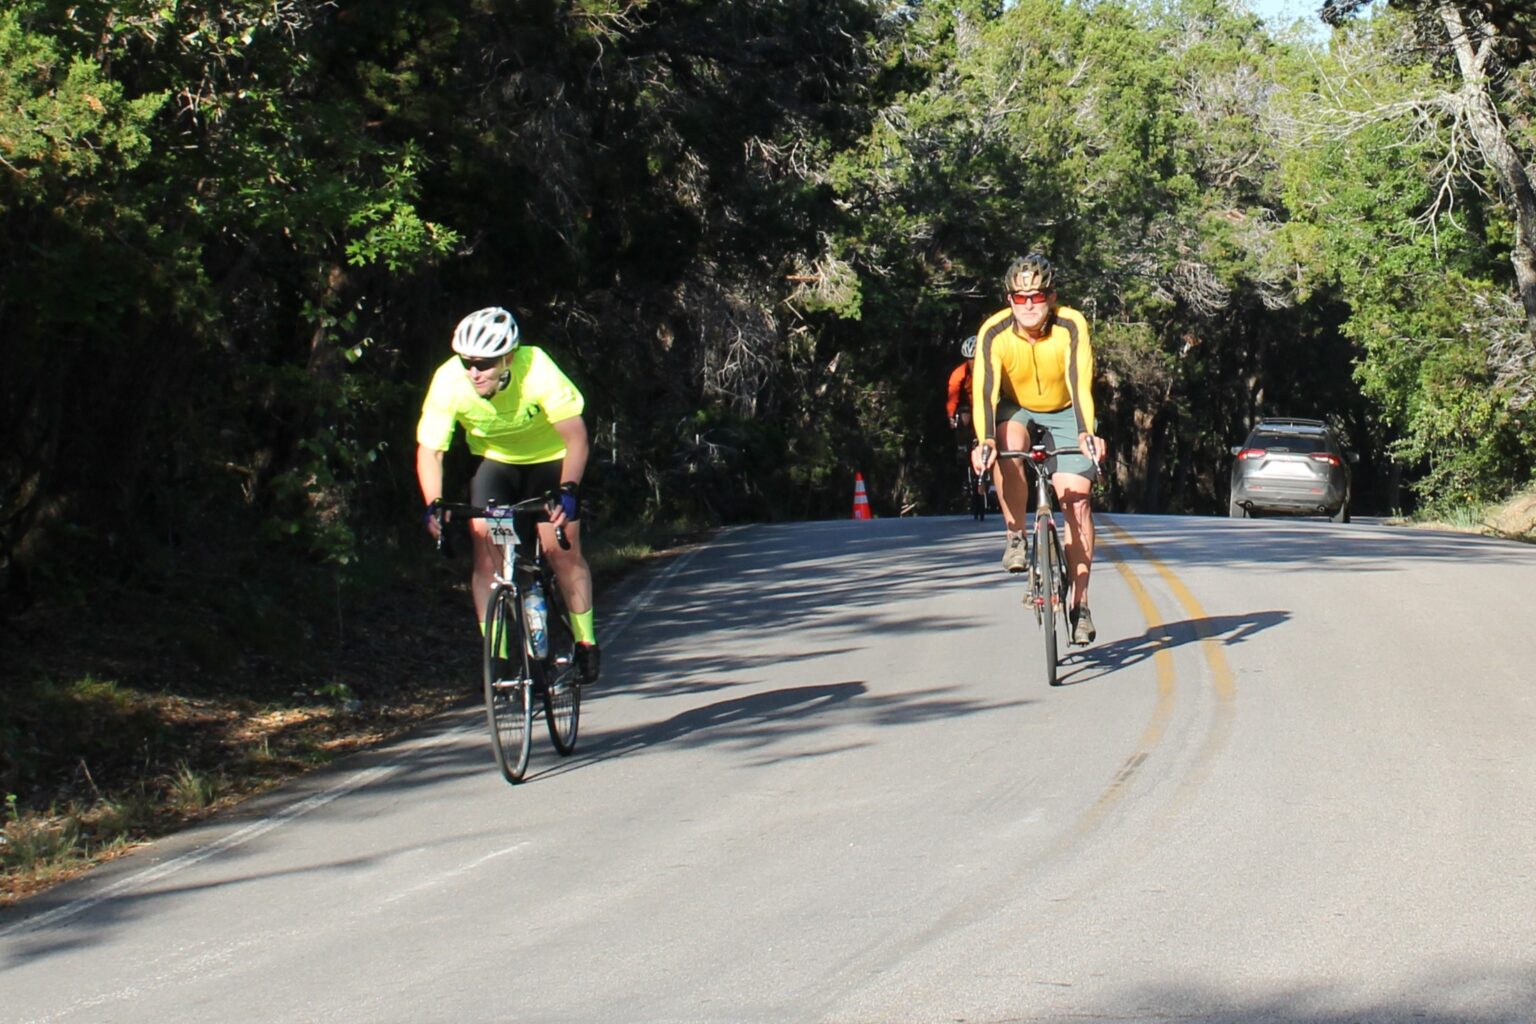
(1342, 515)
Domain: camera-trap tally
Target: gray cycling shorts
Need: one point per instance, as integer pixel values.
(1056, 430)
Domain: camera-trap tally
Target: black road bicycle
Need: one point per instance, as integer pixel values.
(980, 494)
(519, 663)
(976, 486)
(1049, 585)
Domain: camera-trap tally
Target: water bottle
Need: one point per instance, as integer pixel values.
(533, 617)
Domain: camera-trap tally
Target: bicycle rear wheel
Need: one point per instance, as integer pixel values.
(562, 683)
(1047, 572)
(508, 685)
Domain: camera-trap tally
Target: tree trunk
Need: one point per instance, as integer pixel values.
(1488, 128)
(1141, 488)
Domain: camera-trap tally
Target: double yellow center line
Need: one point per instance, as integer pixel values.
(1223, 683)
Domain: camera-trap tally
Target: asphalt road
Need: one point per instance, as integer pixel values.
(823, 780)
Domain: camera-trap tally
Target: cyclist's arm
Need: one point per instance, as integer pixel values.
(573, 431)
(429, 477)
(986, 389)
(1088, 440)
(956, 383)
(429, 473)
(1078, 372)
(436, 427)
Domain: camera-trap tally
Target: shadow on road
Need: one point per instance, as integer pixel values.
(755, 721)
(1095, 662)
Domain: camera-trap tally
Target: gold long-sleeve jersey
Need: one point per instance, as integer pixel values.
(1048, 375)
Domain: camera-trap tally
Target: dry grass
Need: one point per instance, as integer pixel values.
(142, 743)
(1514, 519)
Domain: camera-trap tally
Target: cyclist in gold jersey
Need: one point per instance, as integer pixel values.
(1034, 376)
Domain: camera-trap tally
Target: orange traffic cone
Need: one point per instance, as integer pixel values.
(860, 499)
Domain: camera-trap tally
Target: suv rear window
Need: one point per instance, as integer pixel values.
(1304, 444)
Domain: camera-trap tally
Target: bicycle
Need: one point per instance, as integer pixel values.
(1049, 585)
(975, 486)
(520, 662)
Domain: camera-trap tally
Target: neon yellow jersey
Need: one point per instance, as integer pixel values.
(516, 424)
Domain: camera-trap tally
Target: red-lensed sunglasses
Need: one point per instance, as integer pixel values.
(1028, 298)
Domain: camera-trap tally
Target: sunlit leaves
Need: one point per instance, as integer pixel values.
(61, 118)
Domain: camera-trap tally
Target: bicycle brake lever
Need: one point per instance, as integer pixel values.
(565, 545)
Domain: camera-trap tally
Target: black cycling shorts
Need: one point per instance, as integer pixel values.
(507, 484)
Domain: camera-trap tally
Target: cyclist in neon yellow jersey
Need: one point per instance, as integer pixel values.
(522, 418)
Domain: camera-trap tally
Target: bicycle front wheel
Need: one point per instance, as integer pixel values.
(508, 685)
(977, 494)
(1047, 572)
(562, 683)
(1063, 585)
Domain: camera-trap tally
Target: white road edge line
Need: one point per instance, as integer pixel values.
(358, 780)
(463, 869)
(239, 837)
(643, 600)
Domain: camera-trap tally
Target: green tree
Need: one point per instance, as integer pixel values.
(1426, 255)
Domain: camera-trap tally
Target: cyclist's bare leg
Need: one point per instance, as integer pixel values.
(487, 559)
(570, 565)
(1012, 487)
(1077, 512)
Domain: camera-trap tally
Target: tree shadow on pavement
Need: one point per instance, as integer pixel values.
(758, 720)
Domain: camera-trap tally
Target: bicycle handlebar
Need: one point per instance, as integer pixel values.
(1039, 453)
(442, 510)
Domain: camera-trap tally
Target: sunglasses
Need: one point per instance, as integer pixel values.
(1028, 298)
(479, 364)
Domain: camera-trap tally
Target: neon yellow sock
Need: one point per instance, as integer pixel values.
(581, 627)
(504, 644)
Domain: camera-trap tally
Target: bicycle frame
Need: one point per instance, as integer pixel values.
(522, 563)
(513, 679)
(1049, 583)
(1045, 504)
(503, 531)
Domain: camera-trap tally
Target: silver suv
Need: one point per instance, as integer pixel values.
(1291, 466)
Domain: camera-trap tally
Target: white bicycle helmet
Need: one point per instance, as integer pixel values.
(486, 333)
(968, 348)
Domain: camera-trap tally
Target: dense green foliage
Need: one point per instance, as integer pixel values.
(234, 238)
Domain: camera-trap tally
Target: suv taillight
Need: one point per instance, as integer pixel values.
(1328, 457)
(1253, 453)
